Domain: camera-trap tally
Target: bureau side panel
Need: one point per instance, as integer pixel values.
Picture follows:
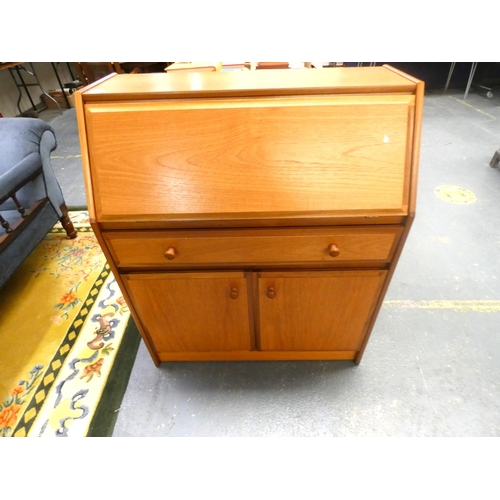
(82, 132)
(412, 197)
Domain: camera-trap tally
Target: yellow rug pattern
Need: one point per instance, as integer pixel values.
(63, 318)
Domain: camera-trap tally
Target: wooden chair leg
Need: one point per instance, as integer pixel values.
(67, 224)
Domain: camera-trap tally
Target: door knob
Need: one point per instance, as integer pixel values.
(271, 292)
(171, 253)
(234, 293)
(333, 250)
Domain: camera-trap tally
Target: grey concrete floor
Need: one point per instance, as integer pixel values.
(431, 367)
(67, 159)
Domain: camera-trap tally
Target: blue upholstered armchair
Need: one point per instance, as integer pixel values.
(31, 201)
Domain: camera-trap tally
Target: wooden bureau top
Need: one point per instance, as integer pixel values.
(250, 83)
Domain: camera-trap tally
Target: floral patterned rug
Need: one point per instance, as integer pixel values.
(63, 319)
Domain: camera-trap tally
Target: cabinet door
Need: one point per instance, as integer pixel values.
(316, 311)
(188, 312)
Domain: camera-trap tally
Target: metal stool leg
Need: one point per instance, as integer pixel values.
(471, 77)
(496, 159)
(452, 68)
(33, 72)
(21, 84)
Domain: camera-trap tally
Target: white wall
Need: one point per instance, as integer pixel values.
(48, 80)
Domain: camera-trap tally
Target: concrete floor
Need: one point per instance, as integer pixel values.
(431, 366)
(66, 159)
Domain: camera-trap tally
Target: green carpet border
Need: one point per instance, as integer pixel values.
(106, 414)
(78, 208)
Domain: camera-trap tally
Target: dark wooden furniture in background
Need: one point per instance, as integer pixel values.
(90, 72)
(253, 215)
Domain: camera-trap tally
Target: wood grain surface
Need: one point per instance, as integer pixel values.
(256, 215)
(250, 83)
(316, 311)
(251, 246)
(270, 155)
(192, 312)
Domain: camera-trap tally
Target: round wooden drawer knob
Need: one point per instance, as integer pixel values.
(271, 292)
(171, 253)
(234, 294)
(333, 250)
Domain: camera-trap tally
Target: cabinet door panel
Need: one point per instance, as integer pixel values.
(192, 311)
(305, 311)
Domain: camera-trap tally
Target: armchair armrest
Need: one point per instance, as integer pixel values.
(26, 144)
(19, 137)
(19, 174)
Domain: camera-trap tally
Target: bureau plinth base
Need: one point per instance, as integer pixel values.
(258, 356)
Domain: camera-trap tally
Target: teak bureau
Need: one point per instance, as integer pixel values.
(255, 215)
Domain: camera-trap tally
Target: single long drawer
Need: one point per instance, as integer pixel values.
(252, 246)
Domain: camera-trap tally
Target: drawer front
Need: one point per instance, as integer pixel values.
(188, 248)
